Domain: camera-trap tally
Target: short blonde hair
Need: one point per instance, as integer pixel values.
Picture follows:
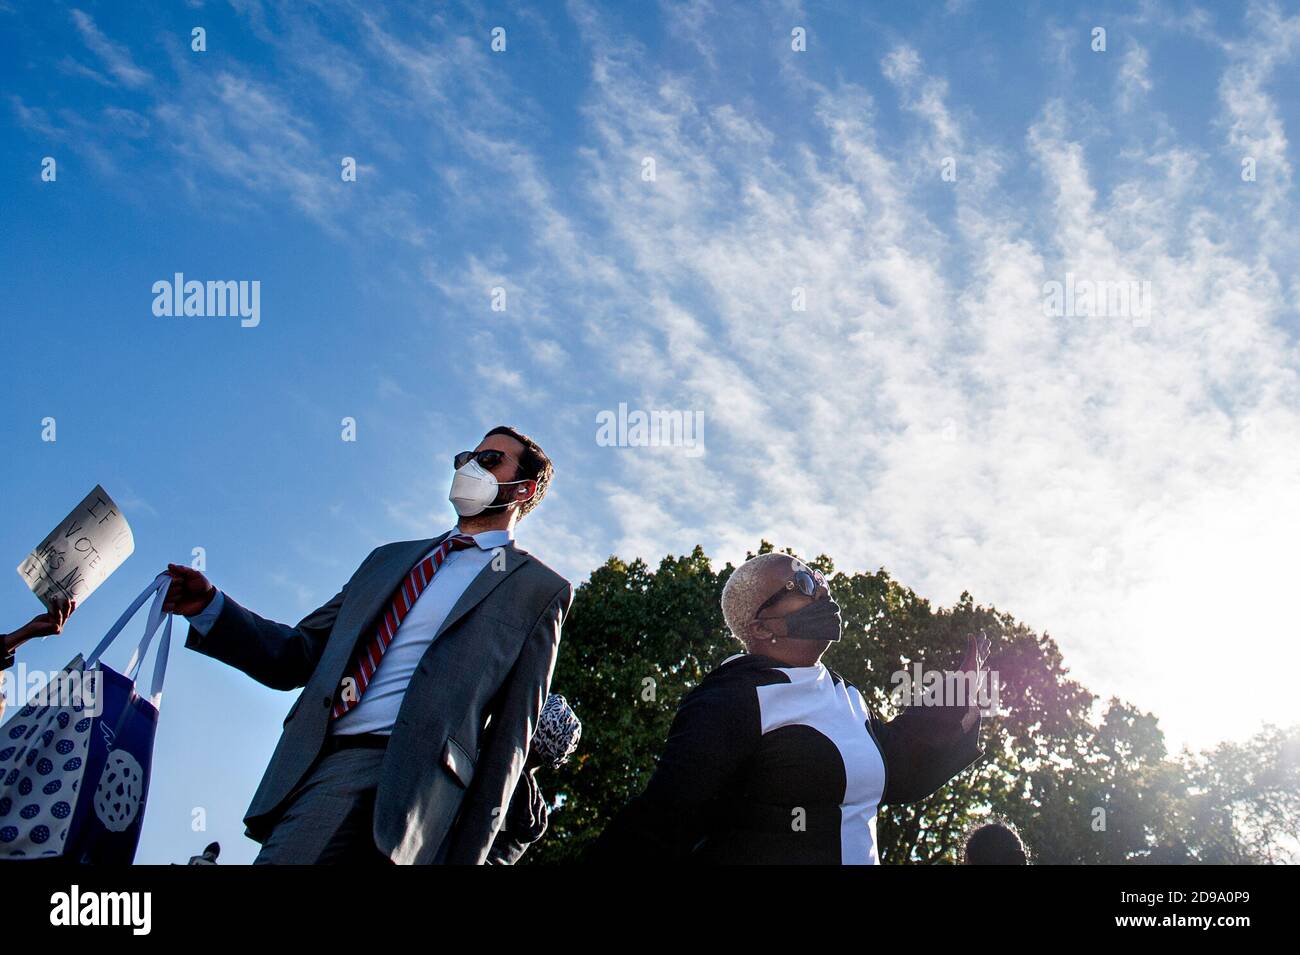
(744, 593)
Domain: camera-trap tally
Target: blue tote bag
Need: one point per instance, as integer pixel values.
(74, 762)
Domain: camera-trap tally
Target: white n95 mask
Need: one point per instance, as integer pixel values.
(473, 489)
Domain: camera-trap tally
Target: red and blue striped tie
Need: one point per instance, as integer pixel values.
(366, 661)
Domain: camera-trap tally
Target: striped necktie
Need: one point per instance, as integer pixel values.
(366, 660)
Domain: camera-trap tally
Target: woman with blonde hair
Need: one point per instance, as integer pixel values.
(776, 759)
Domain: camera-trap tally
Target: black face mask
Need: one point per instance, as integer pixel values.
(820, 620)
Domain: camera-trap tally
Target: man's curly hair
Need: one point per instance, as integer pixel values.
(534, 465)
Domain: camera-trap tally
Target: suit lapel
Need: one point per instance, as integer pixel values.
(484, 584)
(383, 581)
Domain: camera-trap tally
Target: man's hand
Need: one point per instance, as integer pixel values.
(42, 625)
(188, 593)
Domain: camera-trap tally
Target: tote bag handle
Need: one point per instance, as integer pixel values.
(157, 589)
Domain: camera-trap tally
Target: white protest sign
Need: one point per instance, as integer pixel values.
(79, 554)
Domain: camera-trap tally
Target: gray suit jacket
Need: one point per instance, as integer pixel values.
(463, 729)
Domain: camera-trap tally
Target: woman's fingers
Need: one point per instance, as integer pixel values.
(977, 651)
(44, 624)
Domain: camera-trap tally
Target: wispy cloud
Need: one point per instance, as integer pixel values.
(115, 57)
(1251, 116)
(1126, 484)
(925, 414)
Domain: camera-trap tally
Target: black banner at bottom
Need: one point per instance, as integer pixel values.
(225, 904)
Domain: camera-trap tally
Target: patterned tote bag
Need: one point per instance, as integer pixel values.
(74, 761)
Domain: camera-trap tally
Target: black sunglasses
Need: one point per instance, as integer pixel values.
(488, 458)
(804, 581)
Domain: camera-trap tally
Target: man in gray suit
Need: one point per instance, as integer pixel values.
(424, 678)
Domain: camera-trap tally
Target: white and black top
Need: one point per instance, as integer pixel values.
(773, 764)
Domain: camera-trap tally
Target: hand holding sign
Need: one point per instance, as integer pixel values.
(79, 554)
(42, 625)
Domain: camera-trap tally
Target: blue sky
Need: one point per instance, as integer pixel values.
(1127, 485)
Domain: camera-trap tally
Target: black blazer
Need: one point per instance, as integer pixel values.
(725, 792)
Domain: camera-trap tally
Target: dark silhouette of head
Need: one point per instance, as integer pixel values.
(995, 843)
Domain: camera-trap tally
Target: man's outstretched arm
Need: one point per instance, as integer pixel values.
(280, 656)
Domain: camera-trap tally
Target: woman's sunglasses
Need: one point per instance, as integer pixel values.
(487, 459)
(805, 581)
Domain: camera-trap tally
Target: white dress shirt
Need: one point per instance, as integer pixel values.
(376, 712)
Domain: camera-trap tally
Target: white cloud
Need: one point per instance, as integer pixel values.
(1125, 486)
(1134, 76)
(1250, 116)
(1088, 474)
(115, 57)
